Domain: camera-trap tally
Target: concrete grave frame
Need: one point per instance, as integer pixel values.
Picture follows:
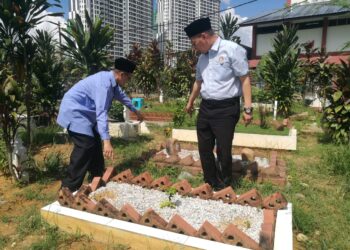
(247, 140)
(108, 230)
(276, 229)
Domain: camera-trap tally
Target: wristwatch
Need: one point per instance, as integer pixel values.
(248, 110)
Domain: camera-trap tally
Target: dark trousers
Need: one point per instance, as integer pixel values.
(216, 121)
(86, 157)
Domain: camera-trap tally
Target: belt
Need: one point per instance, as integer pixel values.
(223, 101)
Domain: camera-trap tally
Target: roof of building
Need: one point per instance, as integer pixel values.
(298, 12)
(336, 59)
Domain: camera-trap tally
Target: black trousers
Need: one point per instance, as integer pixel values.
(87, 156)
(216, 122)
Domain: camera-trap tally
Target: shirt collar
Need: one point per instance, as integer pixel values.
(215, 46)
(112, 79)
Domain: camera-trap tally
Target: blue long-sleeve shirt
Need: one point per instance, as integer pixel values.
(87, 103)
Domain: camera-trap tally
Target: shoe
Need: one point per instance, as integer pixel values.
(218, 186)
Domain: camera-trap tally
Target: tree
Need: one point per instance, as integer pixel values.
(87, 47)
(182, 74)
(10, 102)
(147, 75)
(17, 20)
(134, 55)
(308, 67)
(47, 69)
(228, 27)
(281, 68)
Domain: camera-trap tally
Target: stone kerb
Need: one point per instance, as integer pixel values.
(231, 235)
(247, 140)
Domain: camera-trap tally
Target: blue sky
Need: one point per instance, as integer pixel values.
(249, 10)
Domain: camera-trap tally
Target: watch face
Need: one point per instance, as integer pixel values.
(247, 110)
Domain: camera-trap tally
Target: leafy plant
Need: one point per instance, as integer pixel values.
(260, 95)
(336, 119)
(148, 72)
(167, 203)
(10, 104)
(179, 115)
(182, 75)
(171, 191)
(87, 47)
(17, 20)
(281, 68)
(116, 112)
(48, 69)
(228, 26)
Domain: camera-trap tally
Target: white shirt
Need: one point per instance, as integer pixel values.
(220, 69)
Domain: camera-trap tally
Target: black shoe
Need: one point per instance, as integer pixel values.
(218, 186)
(228, 182)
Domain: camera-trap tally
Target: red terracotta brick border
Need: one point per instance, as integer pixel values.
(231, 235)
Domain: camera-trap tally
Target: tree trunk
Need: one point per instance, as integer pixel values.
(9, 159)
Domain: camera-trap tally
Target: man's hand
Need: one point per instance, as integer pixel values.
(108, 149)
(189, 108)
(139, 116)
(247, 118)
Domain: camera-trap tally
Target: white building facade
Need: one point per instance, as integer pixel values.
(174, 15)
(126, 17)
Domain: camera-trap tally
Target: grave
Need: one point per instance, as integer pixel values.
(246, 165)
(94, 210)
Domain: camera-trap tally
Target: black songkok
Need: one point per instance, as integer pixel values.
(125, 65)
(198, 26)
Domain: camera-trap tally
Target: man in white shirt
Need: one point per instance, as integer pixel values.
(221, 79)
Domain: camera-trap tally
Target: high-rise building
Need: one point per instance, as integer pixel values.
(174, 15)
(125, 17)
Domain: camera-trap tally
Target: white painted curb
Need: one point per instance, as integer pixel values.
(288, 142)
(283, 236)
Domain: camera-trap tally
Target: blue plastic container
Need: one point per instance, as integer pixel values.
(137, 102)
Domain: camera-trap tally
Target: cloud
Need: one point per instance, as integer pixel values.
(227, 2)
(245, 33)
(50, 24)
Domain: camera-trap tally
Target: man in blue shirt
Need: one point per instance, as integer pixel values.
(84, 113)
(221, 78)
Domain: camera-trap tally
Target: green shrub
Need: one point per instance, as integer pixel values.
(116, 112)
(180, 114)
(260, 95)
(336, 119)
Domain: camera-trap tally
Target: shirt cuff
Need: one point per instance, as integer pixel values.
(105, 136)
(132, 108)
